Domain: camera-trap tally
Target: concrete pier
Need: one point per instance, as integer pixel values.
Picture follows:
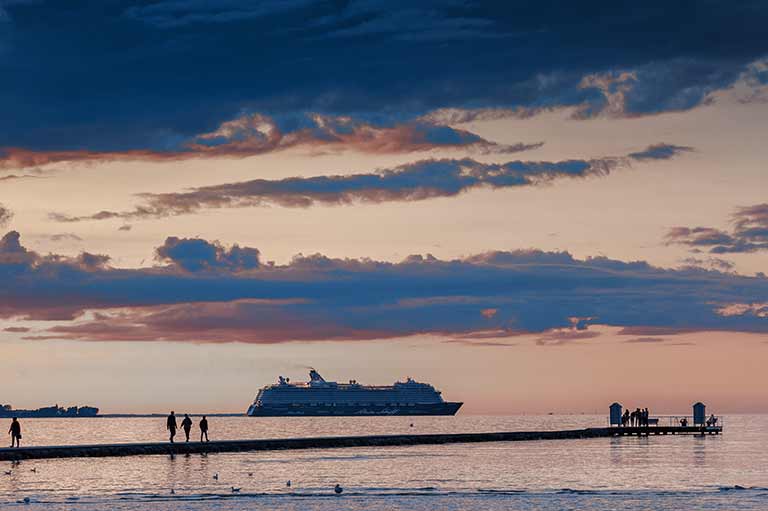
(222, 446)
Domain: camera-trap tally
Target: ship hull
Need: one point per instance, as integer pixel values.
(341, 410)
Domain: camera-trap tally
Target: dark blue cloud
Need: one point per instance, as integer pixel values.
(5, 215)
(421, 180)
(175, 13)
(749, 233)
(147, 74)
(659, 152)
(315, 297)
(194, 255)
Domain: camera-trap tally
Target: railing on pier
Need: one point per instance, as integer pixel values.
(676, 421)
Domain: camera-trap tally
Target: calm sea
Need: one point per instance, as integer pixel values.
(666, 472)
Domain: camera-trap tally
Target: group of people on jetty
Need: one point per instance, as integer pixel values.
(186, 425)
(638, 418)
(171, 425)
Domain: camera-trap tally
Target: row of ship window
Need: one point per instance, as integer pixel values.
(352, 404)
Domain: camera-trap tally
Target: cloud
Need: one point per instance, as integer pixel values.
(657, 341)
(749, 233)
(714, 263)
(176, 13)
(421, 180)
(406, 21)
(645, 340)
(16, 329)
(255, 134)
(207, 293)
(5, 215)
(759, 310)
(659, 152)
(470, 342)
(14, 177)
(560, 337)
(645, 330)
(194, 254)
(368, 59)
(65, 236)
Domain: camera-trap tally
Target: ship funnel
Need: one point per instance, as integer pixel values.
(315, 376)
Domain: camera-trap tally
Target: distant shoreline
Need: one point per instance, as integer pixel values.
(126, 416)
(155, 415)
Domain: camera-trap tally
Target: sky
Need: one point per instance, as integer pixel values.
(534, 207)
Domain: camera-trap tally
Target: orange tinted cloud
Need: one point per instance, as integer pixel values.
(255, 134)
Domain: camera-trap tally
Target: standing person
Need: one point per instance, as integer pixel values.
(186, 425)
(625, 419)
(632, 418)
(15, 432)
(203, 428)
(639, 415)
(171, 425)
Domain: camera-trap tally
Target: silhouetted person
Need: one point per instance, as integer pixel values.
(15, 432)
(646, 416)
(625, 418)
(632, 418)
(171, 425)
(203, 429)
(186, 425)
(639, 416)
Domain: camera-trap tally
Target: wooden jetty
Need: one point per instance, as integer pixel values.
(274, 444)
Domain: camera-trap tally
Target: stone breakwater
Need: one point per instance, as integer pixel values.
(140, 449)
(223, 446)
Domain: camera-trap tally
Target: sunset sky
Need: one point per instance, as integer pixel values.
(535, 207)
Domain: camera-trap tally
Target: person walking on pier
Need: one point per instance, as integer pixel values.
(15, 432)
(186, 425)
(203, 429)
(171, 425)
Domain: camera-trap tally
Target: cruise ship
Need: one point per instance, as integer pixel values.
(318, 397)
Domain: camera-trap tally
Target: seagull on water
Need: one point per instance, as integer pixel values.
(33, 469)
(288, 483)
(235, 490)
(8, 472)
(250, 474)
(338, 489)
(216, 476)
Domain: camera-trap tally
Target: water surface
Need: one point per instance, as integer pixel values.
(677, 472)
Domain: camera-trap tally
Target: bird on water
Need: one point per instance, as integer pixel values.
(338, 489)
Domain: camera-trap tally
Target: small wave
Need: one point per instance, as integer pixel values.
(500, 492)
(353, 457)
(577, 492)
(738, 487)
